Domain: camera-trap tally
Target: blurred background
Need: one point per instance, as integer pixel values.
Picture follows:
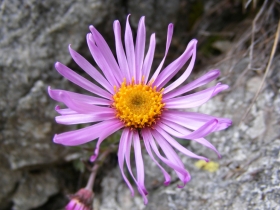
(235, 36)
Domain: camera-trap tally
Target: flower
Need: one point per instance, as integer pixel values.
(82, 200)
(146, 107)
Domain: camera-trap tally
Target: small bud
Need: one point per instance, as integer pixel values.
(82, 200)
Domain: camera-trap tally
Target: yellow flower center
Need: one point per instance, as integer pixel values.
(138, 105)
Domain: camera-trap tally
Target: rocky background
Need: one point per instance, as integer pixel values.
(234, 36)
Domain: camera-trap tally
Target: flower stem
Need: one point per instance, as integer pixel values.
(95, 168)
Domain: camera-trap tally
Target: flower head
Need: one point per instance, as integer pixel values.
(82, 200)
(145, 106)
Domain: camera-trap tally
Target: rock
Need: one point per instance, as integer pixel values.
(223, 46)
(34, 190)
(35, 34)
(156, 20)
(8, 182)
(41, 32)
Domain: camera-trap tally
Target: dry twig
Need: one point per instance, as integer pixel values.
(266, 72)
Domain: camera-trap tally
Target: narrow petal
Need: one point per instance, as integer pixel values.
(173, 159)
(172, 69)
(149, 58)
(185, 75)
(193, 120)
(81, 136)
(139, 162)
(84, 118)
(127, 159)
(80, 81)
(107, 53)
(196, 99)
(147, 139)
(56, 95)
(168, 41)
(120, 51)
(112, 127)
(179, 147)
(140, 49)
(206, 78)
(121, 155)
(204, 130)
(129, 48)
(90, 70)
(64, 111)
(100, 60)
(81, 107)
(180, 132)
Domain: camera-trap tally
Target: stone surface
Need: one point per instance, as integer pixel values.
(155, 19)
(35, 34)
(8, 182)
(34, 190)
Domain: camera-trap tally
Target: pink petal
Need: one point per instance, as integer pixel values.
(120, 51)
(90, 70)
(149, 58)
(139, 162)
(147, 138)
(173, 159)
(176, 145)
(185, 75)
(193, 120)
(56, 95)
(100, 60)
(168, 41)
(107, 53)
(80, 81)
(129, 48)
(64, 111)
(80, 106)
(195, 99)
(127, 159)
(172, 69)
(206, 78)
(121, 155)
(181, 132)
(204, 130)
(140, 49)
(111, 127)
(81, 136)
(84, 118)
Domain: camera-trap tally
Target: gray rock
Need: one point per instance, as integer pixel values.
(8, 181)
(35, 34)
(156, 20)
(34, 190)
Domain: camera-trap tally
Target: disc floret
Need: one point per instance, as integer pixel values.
(138, 105)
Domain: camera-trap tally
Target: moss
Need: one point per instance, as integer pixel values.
(196, 10)
(207, 49)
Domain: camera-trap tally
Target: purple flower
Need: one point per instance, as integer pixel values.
(146, 107)
(82, 200)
